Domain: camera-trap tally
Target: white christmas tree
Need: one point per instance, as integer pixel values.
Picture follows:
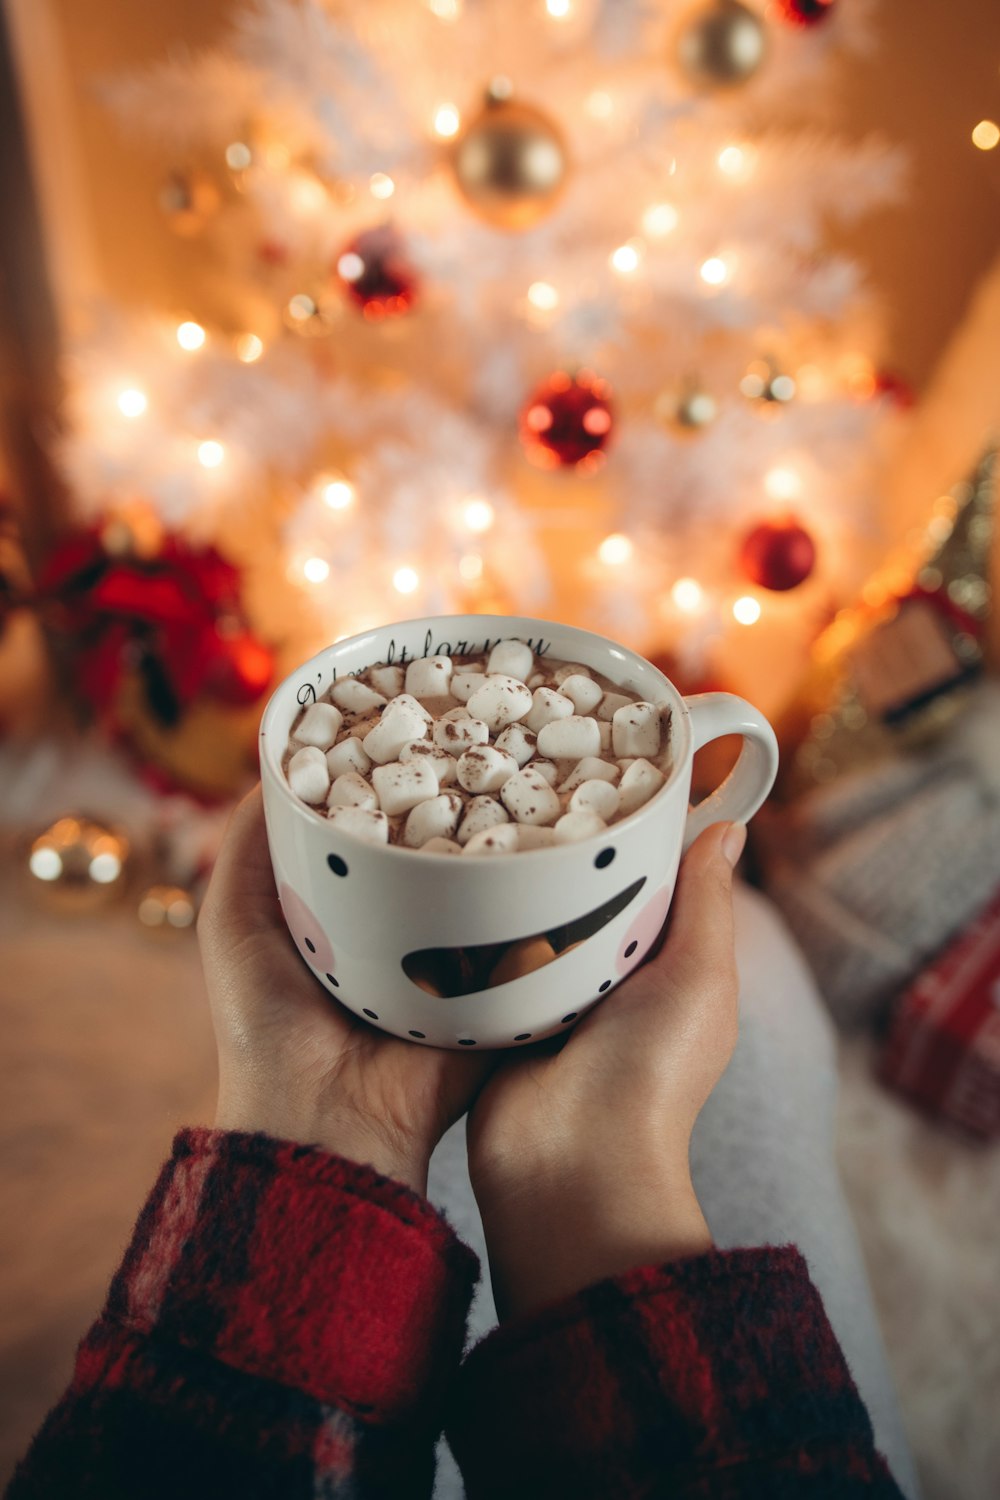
(518, 304)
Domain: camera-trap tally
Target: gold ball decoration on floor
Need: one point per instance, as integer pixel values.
(78, 863)
(166, 907)
(510, 163)
(722, 45)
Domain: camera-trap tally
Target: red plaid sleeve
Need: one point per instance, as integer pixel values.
(714, 1377)
(284, 1323)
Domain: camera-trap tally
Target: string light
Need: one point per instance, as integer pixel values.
(45, 864)
(615, 549)
(470, 567)
(687, 594)
(478, 515)
(105, 867)
(405, 580)
(626, 258)
(543, 295)
(445, 10)
(660, 219)
(600, 105)
(446, 121)
(302, 307)
(190, 336)
(249, 348)
(730, 161)
(783, 483)
(559, 9)
(239, 156)
(986, 135)
(132, 403)
(350, 267)
(714, 271)
(316, 569)
(308, 195)
(338, 494)
(381, 185)
(746, 610)
(211, 454)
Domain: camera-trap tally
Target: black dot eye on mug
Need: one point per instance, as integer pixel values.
(337, 865)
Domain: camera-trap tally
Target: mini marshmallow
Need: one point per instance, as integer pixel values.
(546, 769)
(546, 707)
(387, 680)
(569, 669)
(464, 684)
(536, 680)
(499, 840)
(573, 826)
(307, 774)
(604, 730)
(600, 797)
(401, 787)
(518, 741)
(429, 676)
(590, 768)
(639, 781)
(355, 697)
(437, 818)
(569, 739)
(369, 825)
(513, 658)
(528, 798)
(610, 704)
(440, 846)
(485, 768)
(319, 725)
(500, 701)
(397, 725)
(584, 691)
(440, 762)
(351, 790)
(407, 700)
(533, 836)
(458, 735)
(349, 755)
(481, 813)
(635, 730)
(451, 715)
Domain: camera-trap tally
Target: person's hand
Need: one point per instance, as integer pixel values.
(578, 1152)
(292, 1062)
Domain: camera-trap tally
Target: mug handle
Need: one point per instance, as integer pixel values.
(748, 783)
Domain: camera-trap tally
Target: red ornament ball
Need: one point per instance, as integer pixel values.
(567, 422)
(778, 555)
(375, 273)
(804, 12)
(895, 388)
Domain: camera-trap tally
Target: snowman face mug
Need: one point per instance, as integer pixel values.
(372, 921)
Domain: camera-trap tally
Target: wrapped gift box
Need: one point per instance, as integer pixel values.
(943, 1048)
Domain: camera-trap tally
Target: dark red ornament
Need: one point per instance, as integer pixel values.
(895, 389)
(568, 421)
(778, 555)
(375, 273)
(804, 12)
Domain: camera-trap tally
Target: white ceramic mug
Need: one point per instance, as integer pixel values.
(358, 912)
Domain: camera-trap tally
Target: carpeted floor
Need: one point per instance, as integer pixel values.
(106, 1049)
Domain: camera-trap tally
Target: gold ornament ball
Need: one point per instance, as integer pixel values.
(722, 45)
(78, 863)
(188, 200)
(166, 907)
(691, 411)
(511, 164)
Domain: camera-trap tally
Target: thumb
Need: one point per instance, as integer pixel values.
(700, 943)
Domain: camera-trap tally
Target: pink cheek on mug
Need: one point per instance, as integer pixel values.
(308, 936)
(644, 931)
